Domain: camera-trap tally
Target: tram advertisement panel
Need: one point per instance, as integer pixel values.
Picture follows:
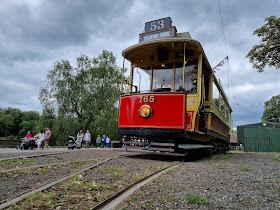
(155, 110)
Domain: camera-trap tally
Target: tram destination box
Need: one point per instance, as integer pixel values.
(158, 29)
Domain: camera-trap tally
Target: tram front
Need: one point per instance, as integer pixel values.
(164, 75)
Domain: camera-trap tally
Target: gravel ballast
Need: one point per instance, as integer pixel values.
(231, 181)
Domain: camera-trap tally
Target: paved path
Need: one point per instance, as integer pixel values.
(13, 150)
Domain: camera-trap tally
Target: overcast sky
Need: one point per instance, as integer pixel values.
(36, 33)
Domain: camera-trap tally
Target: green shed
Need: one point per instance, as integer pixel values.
(259, 137)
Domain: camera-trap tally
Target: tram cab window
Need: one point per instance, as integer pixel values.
(142, 78)
(163, 76)
(190, 77)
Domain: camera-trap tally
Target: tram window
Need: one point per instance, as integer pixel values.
(163, 75)
(223, 105)
(215, 95)
(227, 112)
(142, 78)
(190, 77)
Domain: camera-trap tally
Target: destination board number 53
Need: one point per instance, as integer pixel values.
(157, 25)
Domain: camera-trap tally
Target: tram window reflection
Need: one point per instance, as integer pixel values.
(216, 95)
(163, 76)
(142, 78)
(190, 77)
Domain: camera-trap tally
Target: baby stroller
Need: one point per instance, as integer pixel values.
(28, 144)
(72, 143)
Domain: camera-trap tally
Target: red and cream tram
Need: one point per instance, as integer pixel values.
(172, 102)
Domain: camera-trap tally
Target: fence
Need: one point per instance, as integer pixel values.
(9, 142)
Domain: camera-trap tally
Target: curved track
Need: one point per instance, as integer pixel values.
(113, 201)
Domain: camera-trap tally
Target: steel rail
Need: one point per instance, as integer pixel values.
(30, 156)
(46, 165)
(116, 199)
(6, 203)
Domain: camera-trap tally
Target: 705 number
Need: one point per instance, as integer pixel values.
(146, 99)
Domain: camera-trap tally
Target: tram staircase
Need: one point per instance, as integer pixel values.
(163, 146)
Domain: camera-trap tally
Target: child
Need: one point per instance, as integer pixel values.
(103, 141)
(108, 142)
(87, 138)
(40, 138)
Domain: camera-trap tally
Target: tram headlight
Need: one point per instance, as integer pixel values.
(145, 111)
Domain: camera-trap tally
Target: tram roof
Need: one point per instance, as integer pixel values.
(130, 52)
(134, 51)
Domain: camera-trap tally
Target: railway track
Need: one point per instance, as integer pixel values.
(47, 165)
(31, 156)
(12, 200)
(113, 201)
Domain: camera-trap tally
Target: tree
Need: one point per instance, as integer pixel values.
(272, 110)
(268, 51)
(87, 93)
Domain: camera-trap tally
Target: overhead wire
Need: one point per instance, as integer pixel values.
(228, 65)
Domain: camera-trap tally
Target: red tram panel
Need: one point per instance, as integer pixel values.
(168, 111)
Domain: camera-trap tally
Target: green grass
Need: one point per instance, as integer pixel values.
(169, 171)
(151, 167)
(136, 178)
(33, 197)
(99, 187)
(242, 168)
(133, 198)
(168, 198)
(196, 199)
(222, 157)
(276, 159)
(182, 163)
(50, 196)
(43, 170)
(76, 178)
(59, 158)
(93, 187)
(222, 166)
(278, 189)
(20, 161)
(112, 169)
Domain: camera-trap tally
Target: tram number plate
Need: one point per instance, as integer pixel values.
(146, 99)
(156, 25)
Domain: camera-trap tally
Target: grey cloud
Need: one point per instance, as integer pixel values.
(34, 35)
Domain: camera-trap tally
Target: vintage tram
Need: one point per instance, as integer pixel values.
(172, 102)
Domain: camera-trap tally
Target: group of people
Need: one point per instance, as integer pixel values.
(86, 138)
(42, 139)
(106, 141)
(83, 137)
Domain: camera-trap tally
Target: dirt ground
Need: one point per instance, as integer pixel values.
(232, 181)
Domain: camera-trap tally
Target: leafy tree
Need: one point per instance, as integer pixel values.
(86, 94)
(268, 51)
(272, 110)
(16, 115)
(6, 122)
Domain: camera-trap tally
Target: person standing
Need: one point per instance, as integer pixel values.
(87, 138)
(98, 140)
(103, 141)
(108, 142)
(80, 137)
(46, 140)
